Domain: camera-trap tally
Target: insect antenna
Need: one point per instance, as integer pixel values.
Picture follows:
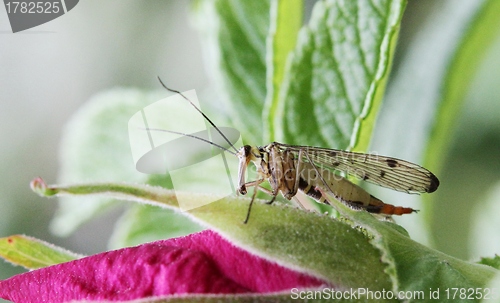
(204, 116)
(191, 136)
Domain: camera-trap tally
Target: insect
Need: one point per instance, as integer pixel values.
(314, 171)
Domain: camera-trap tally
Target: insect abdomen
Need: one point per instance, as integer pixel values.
(346, 192)
(376, 206)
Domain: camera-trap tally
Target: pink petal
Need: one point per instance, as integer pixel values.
(199, 263)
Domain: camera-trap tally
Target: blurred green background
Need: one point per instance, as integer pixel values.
(49, 71)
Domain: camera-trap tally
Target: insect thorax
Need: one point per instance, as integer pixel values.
(282, 174)
(273, 164)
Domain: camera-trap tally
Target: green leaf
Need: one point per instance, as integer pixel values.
(316, 244)
(286, 20)
(32, 253)
(234, 34)
(493, 262)
(414, 267)
(336, 76)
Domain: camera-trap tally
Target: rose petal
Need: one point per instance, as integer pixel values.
(198, 263)
(256, 274)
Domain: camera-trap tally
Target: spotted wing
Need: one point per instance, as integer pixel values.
(388, 172)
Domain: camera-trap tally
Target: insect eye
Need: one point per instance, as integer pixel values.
(247, 149)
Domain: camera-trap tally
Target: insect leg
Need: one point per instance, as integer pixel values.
(298, 171)
(251, 202)
(257, 186)
(256, 182)
(267, 191)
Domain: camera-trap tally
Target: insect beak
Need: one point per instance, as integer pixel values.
(244, 161)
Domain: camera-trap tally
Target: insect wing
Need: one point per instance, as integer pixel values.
(388, 172)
